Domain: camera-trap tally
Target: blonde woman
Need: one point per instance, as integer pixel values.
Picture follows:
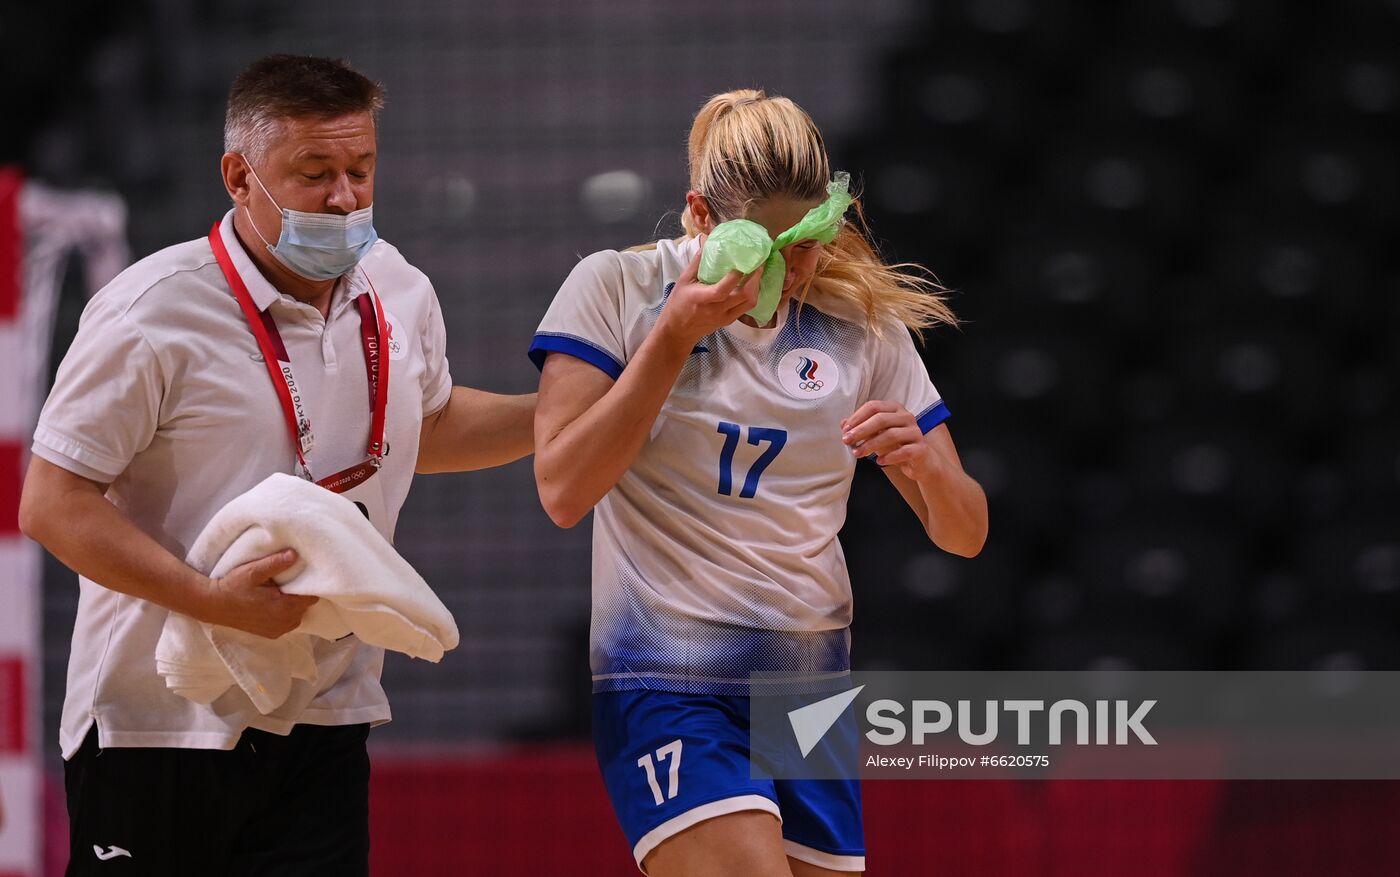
(716, 433)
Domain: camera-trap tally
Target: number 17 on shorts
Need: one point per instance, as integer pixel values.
(670, 752)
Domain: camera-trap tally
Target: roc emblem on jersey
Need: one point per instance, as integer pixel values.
(808, 373)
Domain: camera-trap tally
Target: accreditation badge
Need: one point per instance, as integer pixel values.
(362, 485)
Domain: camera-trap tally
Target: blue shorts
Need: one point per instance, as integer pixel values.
(671, 761)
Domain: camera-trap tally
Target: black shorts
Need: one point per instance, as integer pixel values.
(273, 805)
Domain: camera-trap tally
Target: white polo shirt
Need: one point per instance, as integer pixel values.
(164, 395)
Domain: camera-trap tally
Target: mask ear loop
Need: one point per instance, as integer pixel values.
(251, 221)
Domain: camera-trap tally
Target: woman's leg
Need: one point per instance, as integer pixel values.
(748, 843)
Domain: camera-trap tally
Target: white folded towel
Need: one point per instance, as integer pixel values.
(365, 587)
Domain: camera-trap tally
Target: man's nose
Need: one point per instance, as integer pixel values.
(342, 197)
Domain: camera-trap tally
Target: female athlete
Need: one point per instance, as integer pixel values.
(717, 436)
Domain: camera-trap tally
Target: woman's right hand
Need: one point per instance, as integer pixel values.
(694, 309)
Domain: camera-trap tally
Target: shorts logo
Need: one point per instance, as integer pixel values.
(807, 373)
(110, 853)
(394, 340)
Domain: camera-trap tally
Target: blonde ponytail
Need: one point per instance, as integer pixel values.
(715, 107)
(745, 148)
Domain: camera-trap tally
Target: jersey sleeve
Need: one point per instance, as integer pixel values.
(104, 407)
(437, 377)
(898, 375)
(585, 319)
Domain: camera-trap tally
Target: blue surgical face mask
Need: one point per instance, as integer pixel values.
(319, 246)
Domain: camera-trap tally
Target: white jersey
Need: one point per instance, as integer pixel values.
(716, 553)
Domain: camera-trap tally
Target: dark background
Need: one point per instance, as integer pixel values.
(1169, 225)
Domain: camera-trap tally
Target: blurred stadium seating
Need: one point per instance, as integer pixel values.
(1168, 223)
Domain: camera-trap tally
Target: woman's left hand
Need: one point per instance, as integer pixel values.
(892, 434)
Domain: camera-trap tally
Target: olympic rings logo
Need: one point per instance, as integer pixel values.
(808, 373)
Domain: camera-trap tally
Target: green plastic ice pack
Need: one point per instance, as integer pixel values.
(742, 245)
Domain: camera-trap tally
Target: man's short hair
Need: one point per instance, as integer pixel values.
(279, 87)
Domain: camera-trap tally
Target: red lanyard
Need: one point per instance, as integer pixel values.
(279, 363)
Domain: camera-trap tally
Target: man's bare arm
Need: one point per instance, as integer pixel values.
(71, 517)
(477, 430)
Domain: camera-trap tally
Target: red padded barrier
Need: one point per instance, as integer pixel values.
(544, 811)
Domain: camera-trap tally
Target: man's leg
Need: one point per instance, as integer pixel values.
(312, 813)
(152, 812)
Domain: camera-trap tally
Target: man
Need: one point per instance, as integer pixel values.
(288, 340)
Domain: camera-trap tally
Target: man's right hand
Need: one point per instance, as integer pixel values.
(248, 599)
